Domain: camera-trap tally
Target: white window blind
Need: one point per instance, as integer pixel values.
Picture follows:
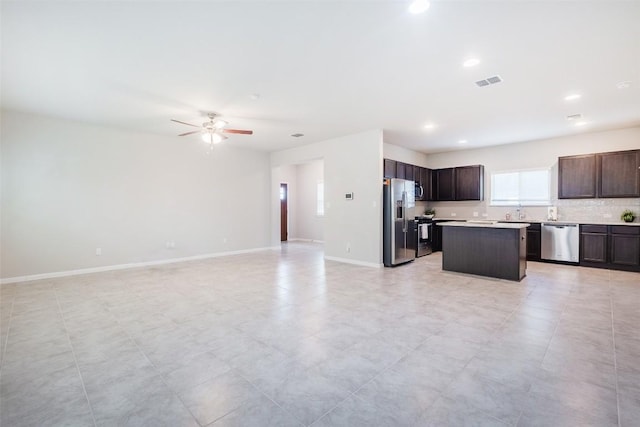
(524, 187)
(320, 199)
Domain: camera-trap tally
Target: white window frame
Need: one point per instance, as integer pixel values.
(519, 201)
(320, 198)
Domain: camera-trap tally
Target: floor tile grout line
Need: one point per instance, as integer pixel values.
(158, 373)
(75, 359)
(615, 353)
(6, 340)
(262, 393)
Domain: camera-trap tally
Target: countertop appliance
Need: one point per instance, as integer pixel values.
(560, 242)
(424, 236)
(399, 226)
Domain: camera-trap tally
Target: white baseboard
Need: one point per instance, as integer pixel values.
(31, 277)
(352, 261)
(300, 239)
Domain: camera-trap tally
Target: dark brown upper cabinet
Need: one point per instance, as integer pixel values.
(577, 177)
(469, 182)
(614, 174)
(400, 170)
(408, 172)
(444, 184)
(389, 168)
(619, 174)
(425, 174)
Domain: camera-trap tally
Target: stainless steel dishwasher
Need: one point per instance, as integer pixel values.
(560, 242)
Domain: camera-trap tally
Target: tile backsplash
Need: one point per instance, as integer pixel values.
(579, 210)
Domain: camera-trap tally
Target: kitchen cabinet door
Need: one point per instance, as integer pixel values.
(619, 174)
(593, 244)
(389, 168)
(469, 183)
(625, 245)
(400, 170)
(533, 242)
(408, 172)
(625, 249)
(426, 183)
(577, 177)
(444, 184)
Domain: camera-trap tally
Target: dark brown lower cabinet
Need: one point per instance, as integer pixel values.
(485, 251)
(533, 242)
(616, 247)
(594, 244)
(625, 245)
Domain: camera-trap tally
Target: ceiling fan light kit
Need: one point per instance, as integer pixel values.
(211, 137)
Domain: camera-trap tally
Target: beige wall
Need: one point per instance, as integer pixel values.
(540, 154)
(69, 188)
(353, 163)
(309, 226)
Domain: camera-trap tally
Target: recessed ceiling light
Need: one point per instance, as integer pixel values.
(430, 126)
(471, 62)
(419, 6)
(624, 85)
(572, 97)
(462, 141)
(581, 123)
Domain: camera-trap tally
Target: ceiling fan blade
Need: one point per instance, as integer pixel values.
(189, 133)
(185, 123)
(242, 132)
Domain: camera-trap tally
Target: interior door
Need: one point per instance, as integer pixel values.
(284, 197)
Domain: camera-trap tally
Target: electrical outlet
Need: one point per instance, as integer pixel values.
(607, 215)
(348, 247)
(224, 240)
(98, 251)
(475, 214)
(454, 214)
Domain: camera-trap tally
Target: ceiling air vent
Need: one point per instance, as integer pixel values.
(574, 117)
(489, 81)
(297, 135)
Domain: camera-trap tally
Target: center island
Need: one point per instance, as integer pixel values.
(485, 248)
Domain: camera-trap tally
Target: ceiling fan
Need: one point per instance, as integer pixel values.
(213, 130)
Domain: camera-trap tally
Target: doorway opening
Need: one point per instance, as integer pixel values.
(284, 197)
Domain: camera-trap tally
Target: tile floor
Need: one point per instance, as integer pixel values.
(287, 339)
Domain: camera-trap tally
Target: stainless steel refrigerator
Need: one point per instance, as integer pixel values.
(400, 235)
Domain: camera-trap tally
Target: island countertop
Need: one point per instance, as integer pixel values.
(485, 224)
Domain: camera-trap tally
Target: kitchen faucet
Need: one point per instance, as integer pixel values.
(520, 212)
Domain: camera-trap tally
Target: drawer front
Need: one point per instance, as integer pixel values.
(625, 229)
(593, 228)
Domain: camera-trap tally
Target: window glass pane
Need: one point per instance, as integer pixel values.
(528, 187)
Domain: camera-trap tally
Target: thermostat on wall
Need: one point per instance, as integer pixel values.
(348, 196)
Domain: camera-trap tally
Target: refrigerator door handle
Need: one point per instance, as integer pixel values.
(404, 210)
(421, 191)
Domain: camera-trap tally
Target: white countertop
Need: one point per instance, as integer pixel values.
(485, 224)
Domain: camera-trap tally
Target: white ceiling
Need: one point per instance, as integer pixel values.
(327, 68)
